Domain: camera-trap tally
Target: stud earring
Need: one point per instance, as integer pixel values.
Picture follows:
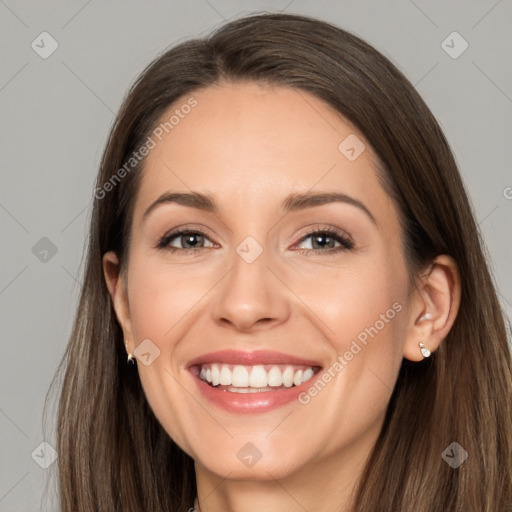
(425, 352)
(131, 359)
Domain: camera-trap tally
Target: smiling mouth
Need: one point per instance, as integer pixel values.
(253, 378)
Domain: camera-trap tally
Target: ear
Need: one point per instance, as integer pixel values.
(434, 307)
(117, 286)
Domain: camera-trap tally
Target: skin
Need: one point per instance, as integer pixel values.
(249, 146)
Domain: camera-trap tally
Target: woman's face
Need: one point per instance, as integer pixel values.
(256, 292)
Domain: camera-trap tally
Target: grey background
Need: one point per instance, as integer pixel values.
(56, 114)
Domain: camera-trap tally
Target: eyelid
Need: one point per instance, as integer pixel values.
(180, 230)
(193, 228)
(344, 239)
(326, 228)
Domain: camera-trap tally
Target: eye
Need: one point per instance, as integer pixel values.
(325, 240)
(188, 240)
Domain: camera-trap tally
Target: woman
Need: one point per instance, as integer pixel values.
(285, 303)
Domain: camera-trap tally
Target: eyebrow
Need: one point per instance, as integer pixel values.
(293, 202)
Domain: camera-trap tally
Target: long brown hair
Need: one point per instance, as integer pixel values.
(114, 454)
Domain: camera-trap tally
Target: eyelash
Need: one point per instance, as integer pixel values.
(346, 243)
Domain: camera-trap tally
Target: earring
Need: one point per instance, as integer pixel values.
(131, 359)
(425, 352)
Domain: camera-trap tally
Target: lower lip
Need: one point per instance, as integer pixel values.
(250, 403)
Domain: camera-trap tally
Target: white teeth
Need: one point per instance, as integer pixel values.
(254, 377)
(215, 375)
(225, 376)
(240, 377)
(246, 390)
(307, 374)
(258, 377)
(288, 377)
(275, 377)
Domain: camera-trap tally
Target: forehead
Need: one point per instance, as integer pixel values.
(253, 144)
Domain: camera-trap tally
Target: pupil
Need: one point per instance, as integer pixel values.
(322, 237)
(189, 239)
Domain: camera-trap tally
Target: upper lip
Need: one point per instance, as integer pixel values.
(250, 358)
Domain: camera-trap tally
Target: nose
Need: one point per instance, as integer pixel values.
(251, 297)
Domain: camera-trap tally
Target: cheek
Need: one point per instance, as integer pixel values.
(364, 312)
(351, 395)
(363, 309)
(162, 301)
(362, 301)
(160, 297)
